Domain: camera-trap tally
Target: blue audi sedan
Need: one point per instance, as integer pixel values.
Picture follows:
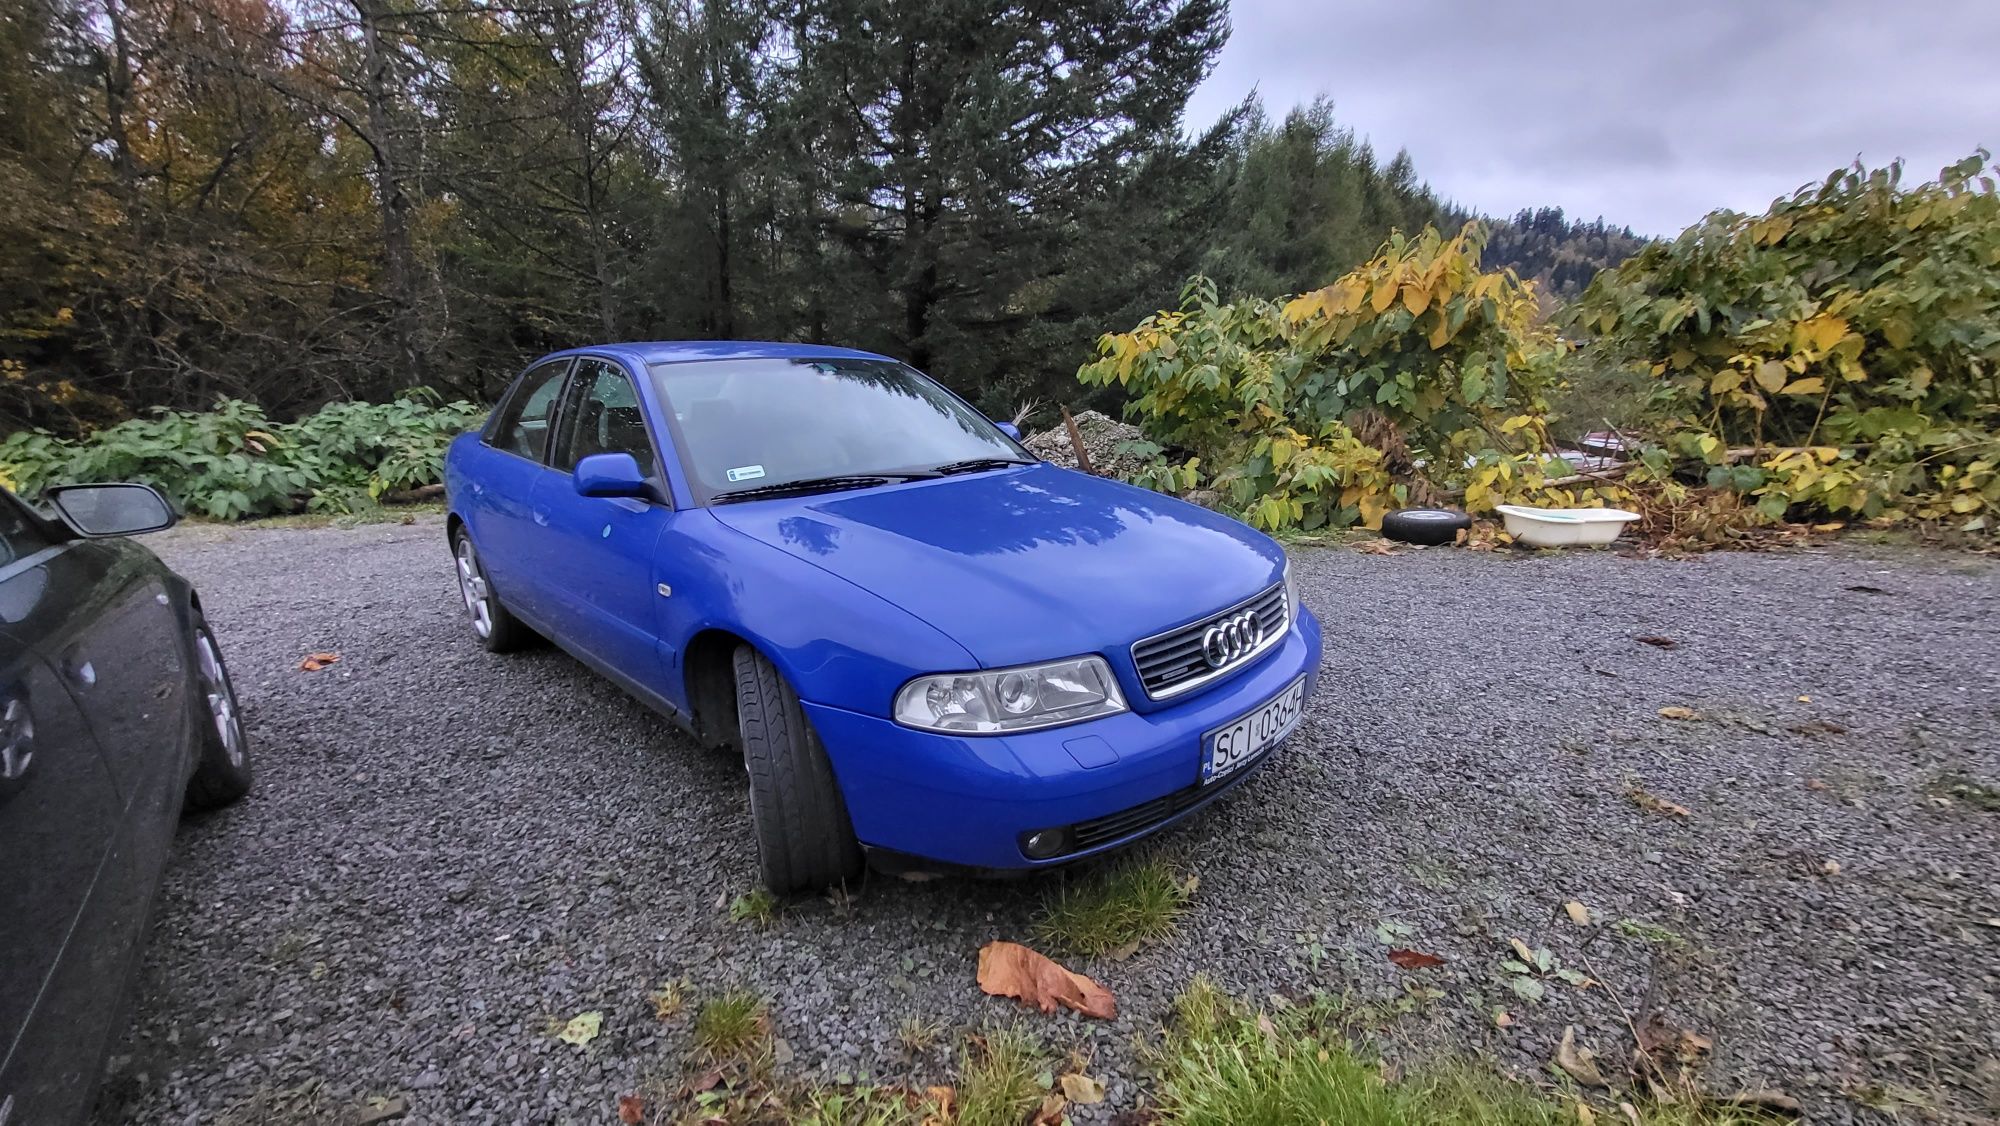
(932, 649)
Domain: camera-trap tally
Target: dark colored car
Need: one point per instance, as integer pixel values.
(115, 711)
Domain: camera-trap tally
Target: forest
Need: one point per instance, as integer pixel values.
(299, 202)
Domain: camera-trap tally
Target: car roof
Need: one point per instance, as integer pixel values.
(684, 351)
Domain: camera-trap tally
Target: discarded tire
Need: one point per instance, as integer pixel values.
(1424, 525)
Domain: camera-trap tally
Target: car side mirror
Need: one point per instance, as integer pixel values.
(100, 511)
(1009, 429)
(611, 475)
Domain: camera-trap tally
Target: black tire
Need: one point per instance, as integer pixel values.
(492, 625)
(805, 840)
(222, 763)
(1426, 527)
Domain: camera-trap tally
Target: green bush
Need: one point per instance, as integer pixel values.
(1416, 376)
(233, 462)
(1845, 345)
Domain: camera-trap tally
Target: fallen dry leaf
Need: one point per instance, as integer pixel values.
(1502, 1018)
(1009, 969)
(942, 1099)
(1376, 547)
(582, 1028)
(1805, 699)
(1831, 868)
(317, 661)
(1815, 784)
(1051, 1112)
(1082, 1089)
(1675, 711)
(1658, 642)
(1415, 959)
(1123, 951)
(631, 1110)
(1578, 913)
(1630, 1112)
(1653, 803)
(1580, 1063)
(1584, 1115)
(1521, 951)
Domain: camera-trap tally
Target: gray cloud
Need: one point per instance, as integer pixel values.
(1648, 114)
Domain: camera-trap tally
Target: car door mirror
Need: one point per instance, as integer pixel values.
(611, 475)
(1009, 429)
(99, 511)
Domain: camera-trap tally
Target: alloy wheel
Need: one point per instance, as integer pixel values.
(472, 587)
(221, 697)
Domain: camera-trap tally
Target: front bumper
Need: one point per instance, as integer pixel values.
(966, 802)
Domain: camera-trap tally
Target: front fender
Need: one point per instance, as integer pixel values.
(836, 643)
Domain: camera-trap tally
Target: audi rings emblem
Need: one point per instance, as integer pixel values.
(1231, 639)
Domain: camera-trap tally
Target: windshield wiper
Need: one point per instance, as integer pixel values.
(815, 485)
(975, 464)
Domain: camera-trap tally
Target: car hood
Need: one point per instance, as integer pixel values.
(1024, 564)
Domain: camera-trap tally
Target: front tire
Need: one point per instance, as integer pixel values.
(496, 629)
(222, 764)
(805, 840)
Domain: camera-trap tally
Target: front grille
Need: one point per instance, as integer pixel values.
(1173, 662)
(1114, 826)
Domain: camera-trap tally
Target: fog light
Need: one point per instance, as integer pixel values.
(1045, 843)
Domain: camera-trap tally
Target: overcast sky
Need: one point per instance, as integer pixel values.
(1650, 114)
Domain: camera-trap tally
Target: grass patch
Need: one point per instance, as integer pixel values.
(381, 514)
(1000, 1078)
(918, 1035)
(1132, 902)
(731, 1026)
(1223, 1064)
(754, 906)
(1651, 932)
(1961, 787)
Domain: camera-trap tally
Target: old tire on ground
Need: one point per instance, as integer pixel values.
(495, 628)
(805, 840)
(222, 750)
(1424, 526)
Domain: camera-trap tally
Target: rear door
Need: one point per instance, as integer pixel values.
(599, 552)
(60, 817)
(504, 469)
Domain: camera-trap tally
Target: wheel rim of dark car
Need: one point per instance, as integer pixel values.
(472, 588)
(221, 701)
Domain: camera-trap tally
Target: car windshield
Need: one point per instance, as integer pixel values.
(750, 424)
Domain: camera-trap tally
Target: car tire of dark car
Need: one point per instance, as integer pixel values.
(805, 840)
(1426, 527)
(496, 629)
(222, 770)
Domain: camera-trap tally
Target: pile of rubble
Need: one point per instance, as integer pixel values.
(1101, 436)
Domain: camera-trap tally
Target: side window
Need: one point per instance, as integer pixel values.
(602, 417)
(523, 425)
(19, 537)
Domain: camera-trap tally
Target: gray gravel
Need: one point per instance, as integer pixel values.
(449, 850)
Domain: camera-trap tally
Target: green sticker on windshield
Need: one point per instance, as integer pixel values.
(745, 473)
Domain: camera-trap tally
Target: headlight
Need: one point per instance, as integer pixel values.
(1291, 597)
(1016, 699)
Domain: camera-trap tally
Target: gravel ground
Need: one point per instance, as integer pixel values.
(447, 850)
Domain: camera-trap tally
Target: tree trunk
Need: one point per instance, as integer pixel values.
(398, 254)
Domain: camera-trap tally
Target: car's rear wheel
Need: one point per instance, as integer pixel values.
(805, 840)
(495, 628)
(222, 767)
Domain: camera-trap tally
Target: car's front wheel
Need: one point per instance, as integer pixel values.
(222, 764)
(495, 628)
(805, 840)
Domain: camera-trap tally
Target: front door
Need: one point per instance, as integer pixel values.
(598, 551)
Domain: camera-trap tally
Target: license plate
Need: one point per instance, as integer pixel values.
(1229, 747)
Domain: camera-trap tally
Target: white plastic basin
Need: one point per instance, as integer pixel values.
(1563, 527)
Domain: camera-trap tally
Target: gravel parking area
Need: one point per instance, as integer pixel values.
(449, 850)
